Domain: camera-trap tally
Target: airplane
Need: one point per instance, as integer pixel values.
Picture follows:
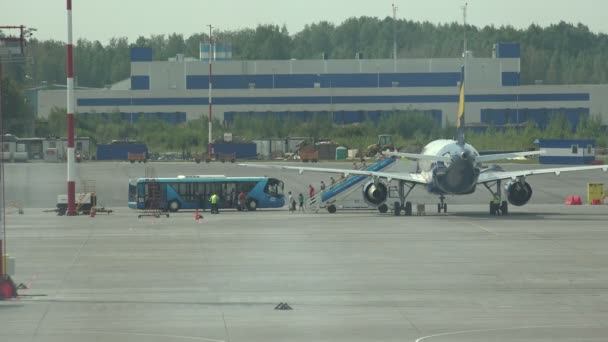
(450, 167)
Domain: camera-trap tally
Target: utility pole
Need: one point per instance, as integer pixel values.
(395, 38)
(71, 104)
(210, 143)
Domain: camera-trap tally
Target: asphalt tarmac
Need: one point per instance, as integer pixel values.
(538, 274)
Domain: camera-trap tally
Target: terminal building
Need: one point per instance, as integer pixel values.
(349, 90)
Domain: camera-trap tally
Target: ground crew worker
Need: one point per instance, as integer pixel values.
(496, 203)
(213, 201)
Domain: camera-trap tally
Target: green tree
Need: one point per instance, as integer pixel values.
(17, 116)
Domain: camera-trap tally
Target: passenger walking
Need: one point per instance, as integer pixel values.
(241, 201)
(301, 202)
(311, 191)
(291, 202)
(332, 181)
(322, 186)
(213, 200)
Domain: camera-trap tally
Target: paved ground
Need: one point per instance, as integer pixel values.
(538, 274)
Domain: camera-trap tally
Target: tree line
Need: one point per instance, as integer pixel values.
(562, 53)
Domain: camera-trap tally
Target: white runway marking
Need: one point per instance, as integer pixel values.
(483, 228)
(503, 329)
(194, 338)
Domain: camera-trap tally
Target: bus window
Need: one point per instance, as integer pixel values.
(231, 195)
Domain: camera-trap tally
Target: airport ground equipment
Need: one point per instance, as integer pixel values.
(137, 157)
(385, 142)
(153, 201)
(355, 192)
(84, 202)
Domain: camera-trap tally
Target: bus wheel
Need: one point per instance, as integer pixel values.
(252, 205)
(173, 206)
(331, 209)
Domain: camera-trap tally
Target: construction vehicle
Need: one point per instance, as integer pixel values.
(385, 142)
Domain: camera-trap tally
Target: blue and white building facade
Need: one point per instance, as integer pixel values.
(567, 151)
(349, 90)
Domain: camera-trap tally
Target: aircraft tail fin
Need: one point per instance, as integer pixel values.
(460, 119)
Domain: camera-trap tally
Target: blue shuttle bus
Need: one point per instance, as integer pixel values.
(193, 192)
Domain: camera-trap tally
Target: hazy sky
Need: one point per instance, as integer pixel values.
(103, 19)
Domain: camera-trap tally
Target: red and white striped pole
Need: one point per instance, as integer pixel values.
(71, 105)
(210, 144)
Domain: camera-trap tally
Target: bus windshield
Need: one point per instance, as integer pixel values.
(274, 187)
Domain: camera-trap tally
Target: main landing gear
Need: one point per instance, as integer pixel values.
(497, 205)
(442, 205)
(407, 206)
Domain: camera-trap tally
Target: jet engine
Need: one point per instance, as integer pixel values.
(375, 193)
(518, 192)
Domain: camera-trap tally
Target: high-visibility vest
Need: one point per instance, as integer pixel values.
(214, 199)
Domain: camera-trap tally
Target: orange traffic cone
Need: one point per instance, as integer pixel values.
(197, 216)
(92, 212)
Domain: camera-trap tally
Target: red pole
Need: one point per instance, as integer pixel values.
(2, 225)
(70, 107)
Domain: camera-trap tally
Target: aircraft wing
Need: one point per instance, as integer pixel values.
(416, 156)
(492, 157)
(498, 175)
(389, 176)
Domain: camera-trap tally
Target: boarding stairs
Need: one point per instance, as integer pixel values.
(342, 195)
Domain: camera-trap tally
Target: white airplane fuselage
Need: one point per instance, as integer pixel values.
(456, 177)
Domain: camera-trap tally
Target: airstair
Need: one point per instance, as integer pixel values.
(347, 193)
